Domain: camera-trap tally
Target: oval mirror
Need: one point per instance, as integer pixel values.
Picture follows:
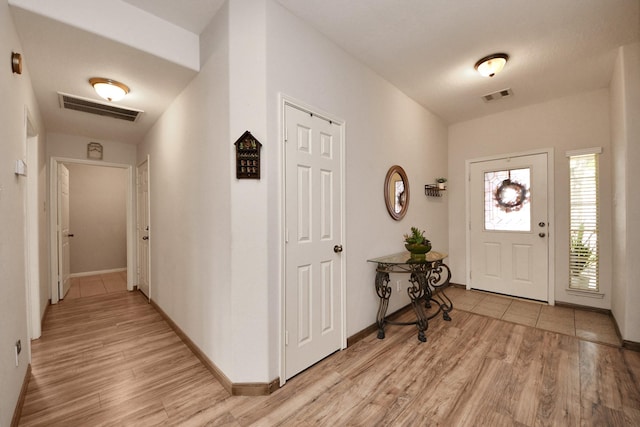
(396, 192)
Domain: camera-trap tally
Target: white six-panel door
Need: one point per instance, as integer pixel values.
(509, 240)
(313, 229)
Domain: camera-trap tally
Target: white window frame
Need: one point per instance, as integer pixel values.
(577, 235)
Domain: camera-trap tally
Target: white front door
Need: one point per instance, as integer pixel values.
(142, 228)
(509, 242)
(314, 293)
(64, 255)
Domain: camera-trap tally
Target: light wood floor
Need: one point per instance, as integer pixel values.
(110, 359)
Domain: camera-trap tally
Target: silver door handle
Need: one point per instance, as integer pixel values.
(145, 237)
(337, 248)
(541, 234)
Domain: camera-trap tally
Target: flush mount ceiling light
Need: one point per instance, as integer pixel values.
(108, 89)
(492, 64)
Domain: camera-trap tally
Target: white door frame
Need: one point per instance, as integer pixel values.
(550, 207)
(138, 266)
(32, 247)
(53, 220)
(284, 101)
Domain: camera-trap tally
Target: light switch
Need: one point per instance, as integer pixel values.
(21, 168)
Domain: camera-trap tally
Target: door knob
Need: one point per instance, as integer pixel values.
(541, 224)
(337, 248)
(541, 234)
(70, 235)
(145, 237)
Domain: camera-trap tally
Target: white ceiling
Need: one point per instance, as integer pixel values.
(425, 48)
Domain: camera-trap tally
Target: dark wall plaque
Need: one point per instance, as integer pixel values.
(247, 157)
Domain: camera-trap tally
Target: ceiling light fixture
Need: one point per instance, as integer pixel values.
(108, 89)
(490, 65)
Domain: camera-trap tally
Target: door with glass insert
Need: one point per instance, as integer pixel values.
(509, 226)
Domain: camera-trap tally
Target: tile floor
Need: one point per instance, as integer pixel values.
(587, 325)
(101, 284)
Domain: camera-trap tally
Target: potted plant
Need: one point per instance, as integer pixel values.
(581, 253)
(441, 183)
(417, 244)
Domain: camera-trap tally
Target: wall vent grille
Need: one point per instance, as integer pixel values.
(497, 95)
(76, 103)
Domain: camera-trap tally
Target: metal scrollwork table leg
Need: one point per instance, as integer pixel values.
(428, 282)
(384, 292)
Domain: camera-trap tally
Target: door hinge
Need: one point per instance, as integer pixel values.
(286, 236)
(286, 337)
(286, 134)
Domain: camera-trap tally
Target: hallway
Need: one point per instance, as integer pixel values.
(111, 359)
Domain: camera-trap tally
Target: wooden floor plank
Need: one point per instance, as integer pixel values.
(113, 360)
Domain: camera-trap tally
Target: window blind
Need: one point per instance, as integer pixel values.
(584, 219)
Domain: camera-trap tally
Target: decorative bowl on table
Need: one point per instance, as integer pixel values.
(418, 250)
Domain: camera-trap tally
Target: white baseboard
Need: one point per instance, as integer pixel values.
(95, 273)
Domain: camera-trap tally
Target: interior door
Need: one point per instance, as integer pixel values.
(509, 226)
(313, 256)
(64, 255)
(142, 228)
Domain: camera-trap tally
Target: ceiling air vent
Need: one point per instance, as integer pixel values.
(72, 102)
(497, 95)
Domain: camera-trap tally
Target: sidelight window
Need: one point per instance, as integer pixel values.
(584, 220)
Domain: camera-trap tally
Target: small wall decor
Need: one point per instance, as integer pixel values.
(247, 157)
(94, 151)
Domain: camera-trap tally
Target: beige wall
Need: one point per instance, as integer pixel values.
(570, 123)
(97, 217)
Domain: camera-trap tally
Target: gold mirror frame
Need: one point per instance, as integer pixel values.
(397, 201)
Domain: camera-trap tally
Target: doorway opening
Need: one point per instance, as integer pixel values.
(92, 225)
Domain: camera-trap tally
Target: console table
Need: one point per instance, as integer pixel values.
(428, 279)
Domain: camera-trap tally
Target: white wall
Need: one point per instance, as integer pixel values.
(625, 136)
(249, 198)
(17, 94)
(564, 124)
(215, 240)
(75, 147)
(383, 127)
(97, 217)
(190, 170)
